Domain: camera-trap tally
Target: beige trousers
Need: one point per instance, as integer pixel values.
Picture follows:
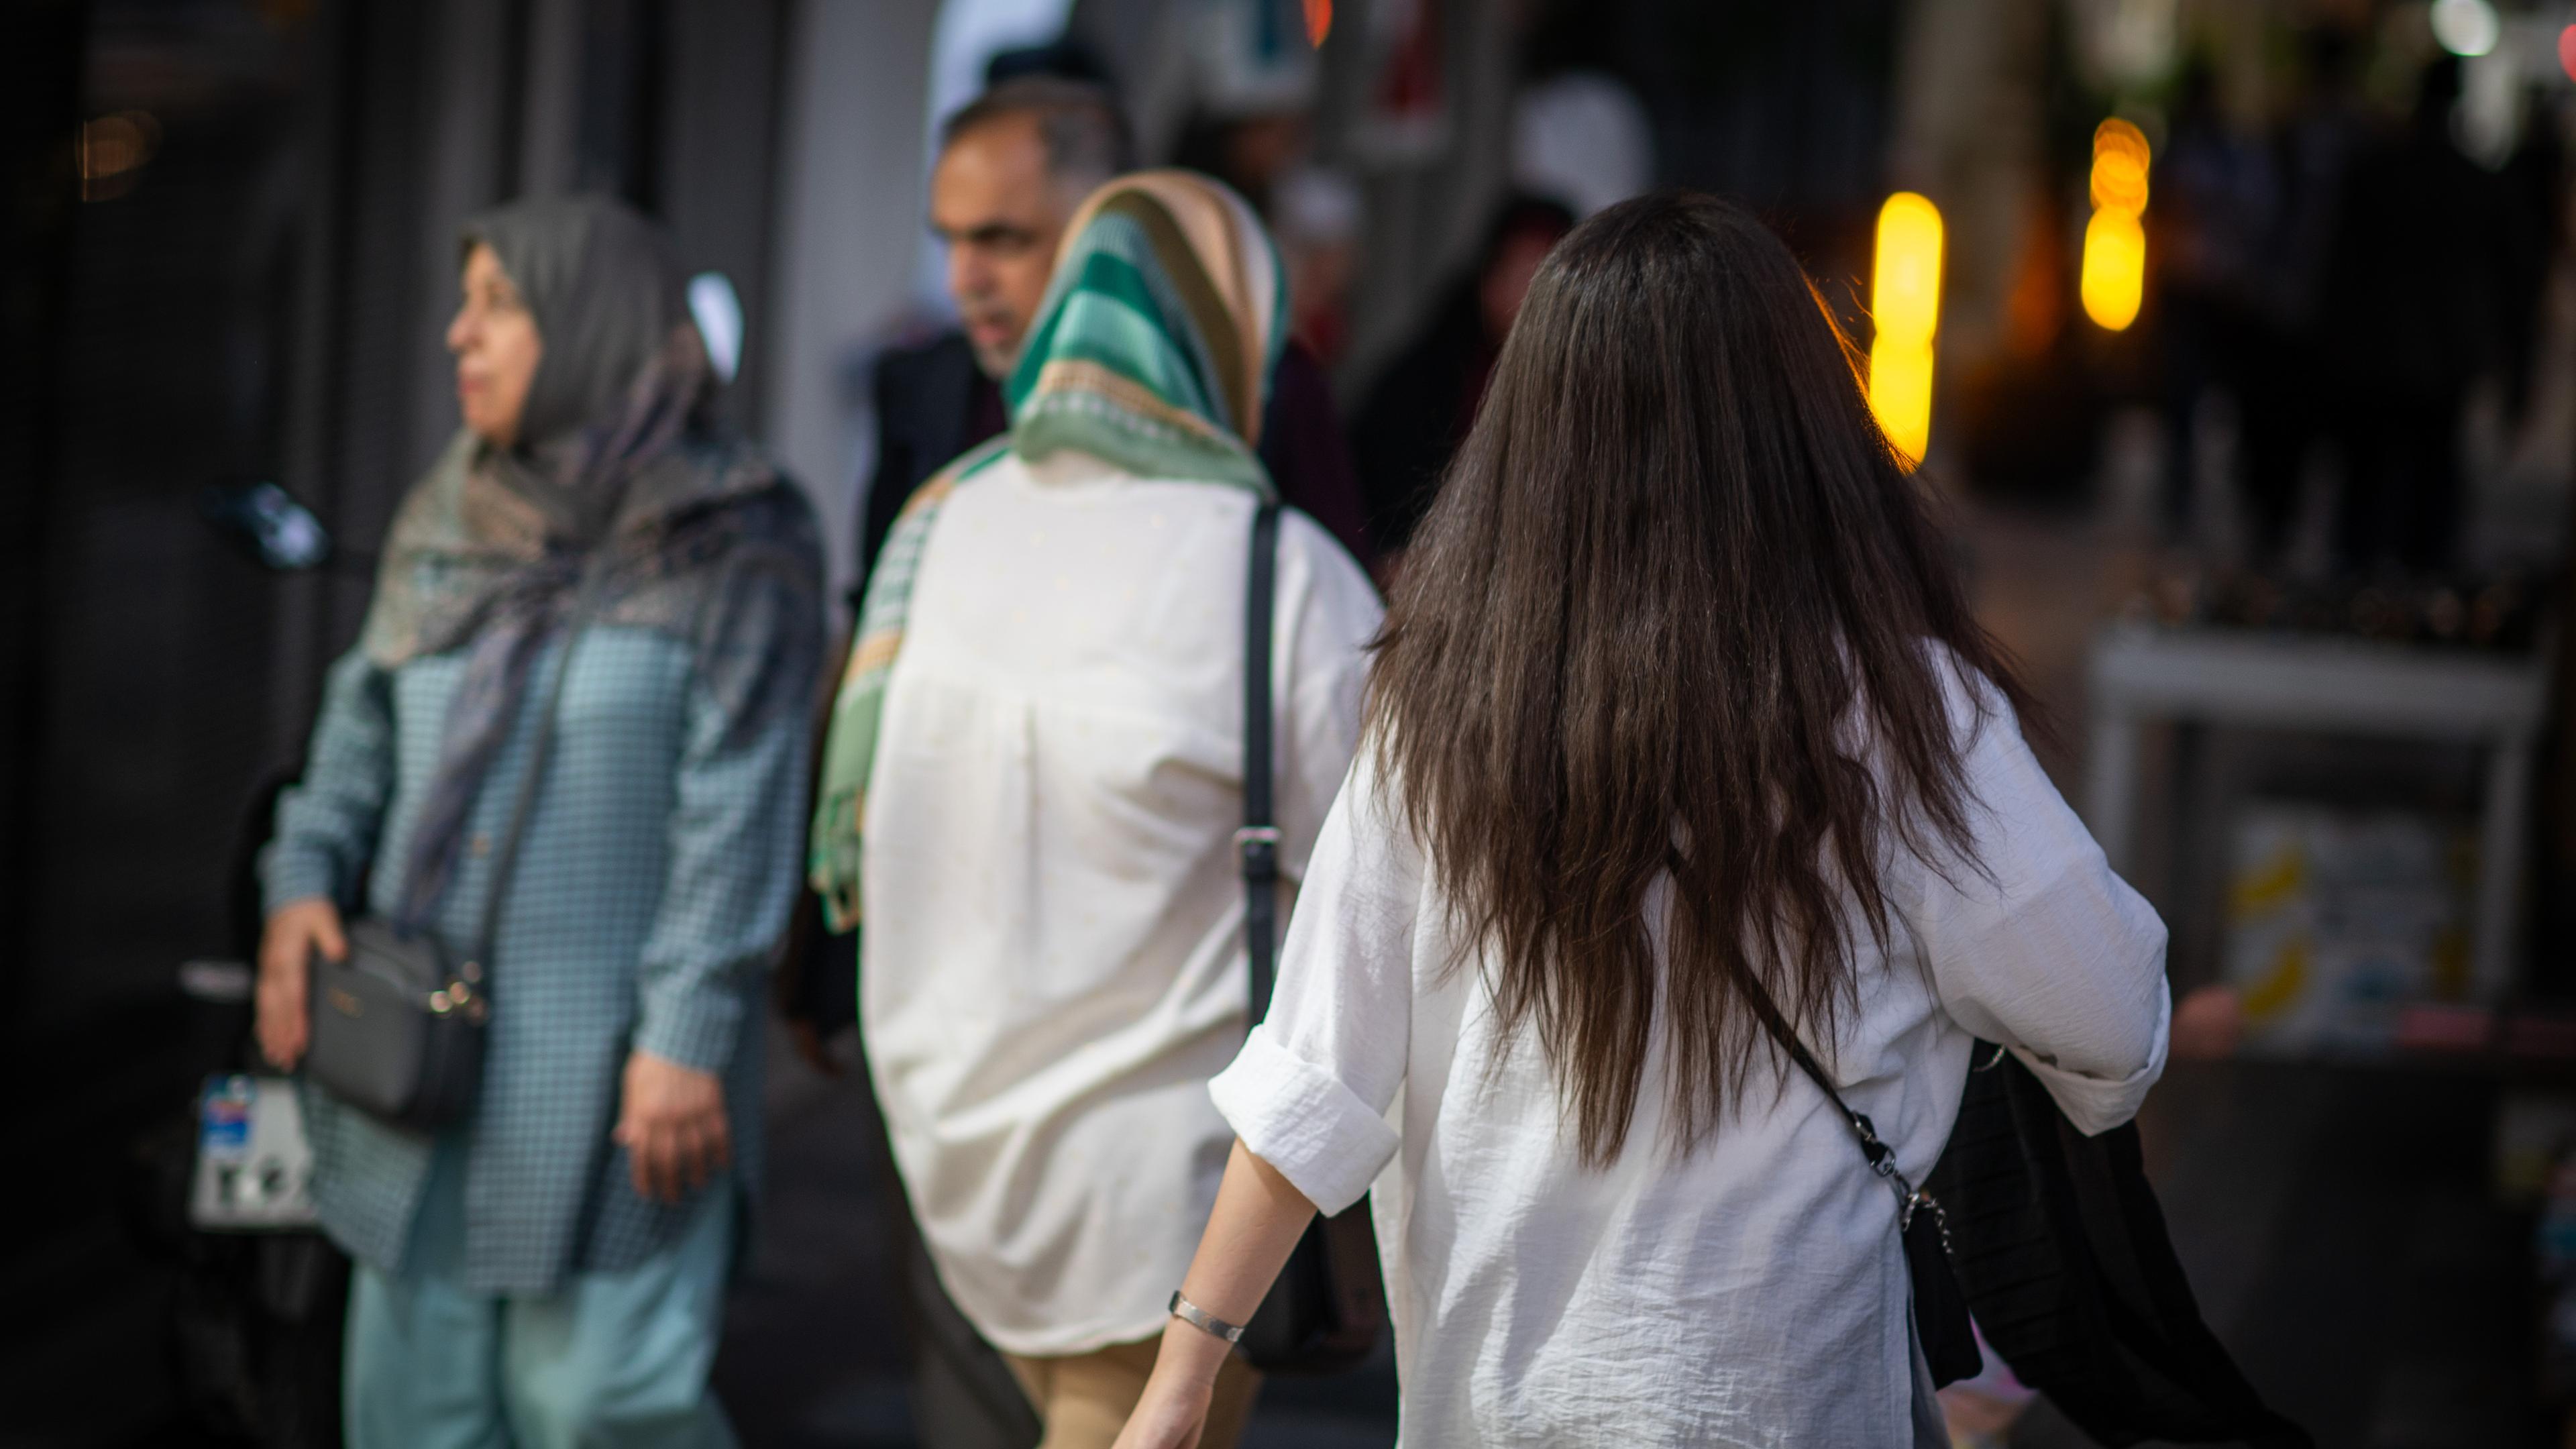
(1084, 1399)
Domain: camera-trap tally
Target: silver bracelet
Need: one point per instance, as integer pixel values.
(1204, 1321)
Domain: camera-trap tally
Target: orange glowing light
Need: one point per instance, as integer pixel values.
(2120, 158)
(1319, 21)
(111, 149)
(2119, 135)
(2114, 279)
(1900, 394)
(1905, 283)
(2120, 182)
(1905, 308)
(2115, 268)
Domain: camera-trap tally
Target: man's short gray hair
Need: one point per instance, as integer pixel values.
(1086, 136)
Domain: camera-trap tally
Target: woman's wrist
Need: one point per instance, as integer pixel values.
(1192, 1353)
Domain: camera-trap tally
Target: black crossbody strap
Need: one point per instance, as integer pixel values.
(1881, 1157)
(1257, 843)
(505, 858)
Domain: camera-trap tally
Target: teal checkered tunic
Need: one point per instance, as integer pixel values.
(655, 879)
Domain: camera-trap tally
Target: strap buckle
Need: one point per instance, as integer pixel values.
(1258, 846)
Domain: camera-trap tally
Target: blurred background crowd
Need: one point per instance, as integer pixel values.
(2238, 335)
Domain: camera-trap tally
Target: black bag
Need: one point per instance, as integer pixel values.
(1941, 1323)
(2062, 1252)
(1325, 1311)
(397, 1031)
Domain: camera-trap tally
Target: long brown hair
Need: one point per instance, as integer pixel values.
(1670, 616)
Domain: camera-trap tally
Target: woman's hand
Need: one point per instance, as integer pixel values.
(2207, 1024)
(671, 1122)
(1258, 1218)
(295, 931)
(1174, 1408)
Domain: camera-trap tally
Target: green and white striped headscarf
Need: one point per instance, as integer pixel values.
(1153, 352)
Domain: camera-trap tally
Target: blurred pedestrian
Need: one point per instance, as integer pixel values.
(1682, 746)
(1013, 165)
(2411, 313)
(1316, 214)
(1041, 741)
(551, 1269)
(1423, 403)
(2282, 360)
(2214, 190)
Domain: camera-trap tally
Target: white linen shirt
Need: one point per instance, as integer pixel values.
(1753, 1292)
(1052, 965)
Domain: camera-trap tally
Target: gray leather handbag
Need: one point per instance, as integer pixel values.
(398, 1026)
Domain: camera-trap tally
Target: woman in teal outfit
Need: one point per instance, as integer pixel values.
(550, 1271)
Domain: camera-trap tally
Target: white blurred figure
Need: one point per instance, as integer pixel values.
(1581, 137)
(1318, 212)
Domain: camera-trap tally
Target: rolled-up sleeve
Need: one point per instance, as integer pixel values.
(2038, 945)
(328, 820)
(1310, 1090)
(736, 838)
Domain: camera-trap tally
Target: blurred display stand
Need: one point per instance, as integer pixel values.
(2144, 674)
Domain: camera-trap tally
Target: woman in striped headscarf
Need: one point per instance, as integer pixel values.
(1039, 743)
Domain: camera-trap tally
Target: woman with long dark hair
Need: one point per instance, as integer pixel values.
(1679, 722)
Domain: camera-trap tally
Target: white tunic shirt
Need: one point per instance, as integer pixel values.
(1053, 952)
(1754, 1292)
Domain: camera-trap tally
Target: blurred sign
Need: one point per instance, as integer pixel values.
(2340, 921)
(254, 1167)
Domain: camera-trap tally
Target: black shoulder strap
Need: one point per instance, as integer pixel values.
(1882, 1158)
(1258, 841)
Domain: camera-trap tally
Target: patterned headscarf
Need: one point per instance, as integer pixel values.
(1152, 352)
(620, 494)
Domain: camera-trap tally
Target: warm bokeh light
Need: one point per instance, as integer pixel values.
(2116, 135)
(1905, 308)
(2115, 267)
(1905, 283)
(2115, 244)
(2120, 181)
(2567, 51)
(1900, 393)
(2120, 158)
(114, 145)
(1319, 21)
(111, 149)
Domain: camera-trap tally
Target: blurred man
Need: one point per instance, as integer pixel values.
(1012, 166)
(2411, 312)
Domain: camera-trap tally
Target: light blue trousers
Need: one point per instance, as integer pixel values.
(608, 1361)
